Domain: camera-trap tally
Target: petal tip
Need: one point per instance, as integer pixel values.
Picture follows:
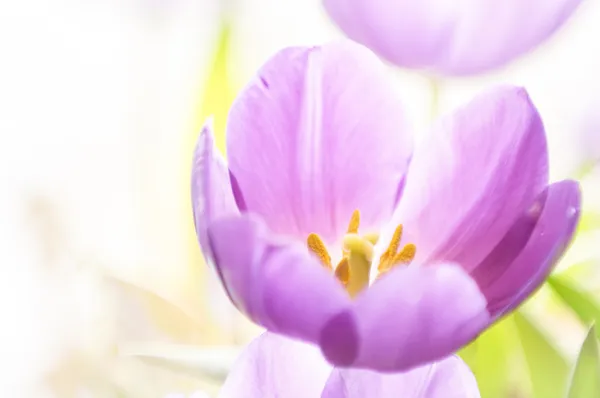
(339, 340)
(204, 143)
(206, 132)
(510, 92)
(571, 189)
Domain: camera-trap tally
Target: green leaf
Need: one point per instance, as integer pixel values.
(585, 382)
(580, 301)
(206, 363)
(548, 369)
(490, 359)
(584, 273)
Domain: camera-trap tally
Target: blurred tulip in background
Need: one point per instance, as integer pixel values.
(449, 37)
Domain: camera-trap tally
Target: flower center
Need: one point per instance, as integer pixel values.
(354, 268)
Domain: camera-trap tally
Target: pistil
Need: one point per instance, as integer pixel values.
(360, 256)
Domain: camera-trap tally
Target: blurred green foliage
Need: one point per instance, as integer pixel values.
(515, 358)
(489, 357)
(548, 369)
(585, 382)
(582, 303)
(219, 88)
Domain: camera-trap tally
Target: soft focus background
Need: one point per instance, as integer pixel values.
(102, 280)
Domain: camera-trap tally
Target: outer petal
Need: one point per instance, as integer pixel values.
(212, 196)
(277, 284)
(448, 378)
(472, 179)
(275, 366)
(317, 134)
(450, 37)
(519, 265)
(411, 316)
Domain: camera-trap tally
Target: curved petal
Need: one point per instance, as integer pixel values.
(448, 378)
(455, 38)
(518, 266)
(275, 283)
(275, 366)
(317, 134)
(212, 196)
(411, 316)
(472, 179)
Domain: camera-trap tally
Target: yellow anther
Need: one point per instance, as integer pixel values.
(406, 255)
(388, 254)
(342, 271)
(354, 222)
(316, 245)
(395, 242)
(391, 257)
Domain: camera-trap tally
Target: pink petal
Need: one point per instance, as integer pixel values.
(455, 38)
(517, 266)
(275, 366)
(317, 134)
(276, 283)
(411, 316)
(470, 181)
(212, 196)
(448, 378)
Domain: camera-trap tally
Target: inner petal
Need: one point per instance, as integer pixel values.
(473, 176)
(306, 146)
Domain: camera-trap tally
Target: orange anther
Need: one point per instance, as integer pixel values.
(315, 244)
(354, 222)
(342, 271)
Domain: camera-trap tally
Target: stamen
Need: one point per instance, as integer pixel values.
(391, 258)
(342, 271)
(390, 252)
(316, 245)
(354, 222)
(395, 242)
(357, 255)
(406, 255)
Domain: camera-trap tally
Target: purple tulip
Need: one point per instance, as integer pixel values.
(275, 366)
(450, 37)
(458, 232)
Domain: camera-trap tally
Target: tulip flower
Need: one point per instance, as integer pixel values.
(327, 225)
(275, 366)
(448, 37)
